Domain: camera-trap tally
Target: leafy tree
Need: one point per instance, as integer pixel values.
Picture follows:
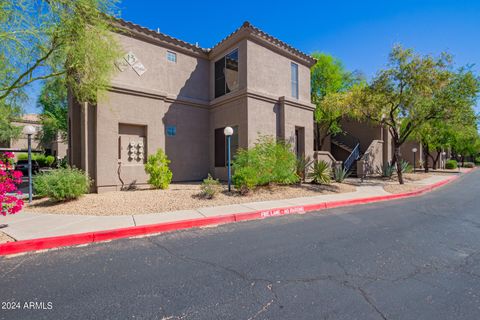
(54, 104)
(8, 114)
(43, 39)
(329, 78)
(440, 134)
(412, 91)
(466, 143)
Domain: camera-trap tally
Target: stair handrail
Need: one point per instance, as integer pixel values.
(347, 139)
(354, 155)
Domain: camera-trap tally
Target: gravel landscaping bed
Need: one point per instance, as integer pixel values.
(4, 238)
(176, 197)
(401, 188)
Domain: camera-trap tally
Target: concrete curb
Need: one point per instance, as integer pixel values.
(99, 236)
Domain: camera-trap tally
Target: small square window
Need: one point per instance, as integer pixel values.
(171, 131)
(172, 56)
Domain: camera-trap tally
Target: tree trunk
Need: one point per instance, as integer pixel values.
(319, 143)
(435, 160)
(426, 153)
(322, 141)
(397, 159)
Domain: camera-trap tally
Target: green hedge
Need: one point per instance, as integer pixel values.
(451, 164)
(43, 160)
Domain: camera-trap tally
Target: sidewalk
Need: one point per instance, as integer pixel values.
(27, 226)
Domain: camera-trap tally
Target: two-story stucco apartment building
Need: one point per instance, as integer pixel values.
(177, 96)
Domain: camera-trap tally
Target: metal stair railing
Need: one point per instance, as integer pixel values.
(353, 143)
(354, 155)
(346, 139)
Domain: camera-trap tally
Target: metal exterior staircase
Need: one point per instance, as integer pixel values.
(352, 145)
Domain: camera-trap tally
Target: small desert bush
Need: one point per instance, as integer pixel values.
(62, 184)
(321, 172)
(158, 170)
(451, 164)
(210, 187)
(268, 162)
(469, 165)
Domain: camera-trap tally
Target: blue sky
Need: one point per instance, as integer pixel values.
(360, 33)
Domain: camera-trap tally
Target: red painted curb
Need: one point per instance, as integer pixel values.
(99, 236)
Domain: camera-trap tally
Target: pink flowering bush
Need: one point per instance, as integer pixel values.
(9, 180)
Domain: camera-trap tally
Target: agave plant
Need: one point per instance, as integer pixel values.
(405, 166)
(386, 171)
(302, 167)
(321, 172)
(340, 174)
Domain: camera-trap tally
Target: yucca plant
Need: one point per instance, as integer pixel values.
(302, 167)
(321, 172)
(340, 174)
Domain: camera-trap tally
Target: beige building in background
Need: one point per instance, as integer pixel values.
(177, 96)
(57, 148)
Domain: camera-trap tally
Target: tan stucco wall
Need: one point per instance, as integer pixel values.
(230, 113)
(188, 78)
(189, 161)
(270, 73)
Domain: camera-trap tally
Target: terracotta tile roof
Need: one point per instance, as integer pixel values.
(245, 26)
(265, 36)
(30, 117)
(159, 35)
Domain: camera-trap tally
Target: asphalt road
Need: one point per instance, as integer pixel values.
(408, 259)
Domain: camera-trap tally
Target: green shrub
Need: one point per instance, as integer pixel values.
(321, 172)
(210, 187)
(469, 165)
(269, 161)
(41, 160)
(62, 184)
(62, 163)
(451, 164)
(49, 160)
(340, 174)
(23, 156)
(245, 179)
(157, 168)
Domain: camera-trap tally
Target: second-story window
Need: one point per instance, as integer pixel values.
(294, 75)
(172, 56)
(226, 74)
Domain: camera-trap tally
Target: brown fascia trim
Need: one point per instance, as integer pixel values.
(247, 30)
(138, 32)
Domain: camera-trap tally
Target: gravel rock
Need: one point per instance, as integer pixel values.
(176, 197)
(4, 238)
